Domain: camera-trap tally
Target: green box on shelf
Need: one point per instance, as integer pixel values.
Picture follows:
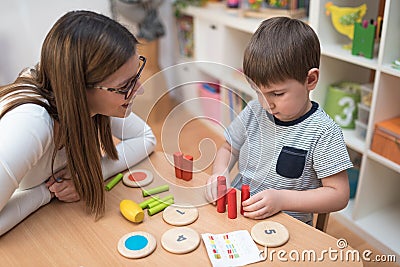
(364, 39)
(341, 103)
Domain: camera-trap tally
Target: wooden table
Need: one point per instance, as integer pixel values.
(62, 234)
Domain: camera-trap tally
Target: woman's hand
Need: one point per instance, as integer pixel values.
(62, 187)
(262, 205)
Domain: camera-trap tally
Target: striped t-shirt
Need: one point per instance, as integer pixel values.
(291, 155)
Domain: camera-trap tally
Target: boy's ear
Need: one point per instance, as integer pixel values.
(312, 78)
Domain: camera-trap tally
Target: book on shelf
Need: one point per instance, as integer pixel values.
(272, 8)
(234, 102)
(185, 36)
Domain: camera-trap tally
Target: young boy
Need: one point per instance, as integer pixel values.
(290, 152)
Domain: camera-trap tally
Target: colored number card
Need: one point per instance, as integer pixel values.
(231, 249)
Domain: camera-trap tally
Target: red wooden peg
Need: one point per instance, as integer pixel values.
(178, 158)
(221, 198)
(187, 168)
(232, 206)
(244, 195)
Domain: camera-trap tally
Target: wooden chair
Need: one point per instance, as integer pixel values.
(322, 221)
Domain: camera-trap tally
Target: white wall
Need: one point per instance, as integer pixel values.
(24, 25)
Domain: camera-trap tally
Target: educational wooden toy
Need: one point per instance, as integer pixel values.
(187, 168)
(160, 207)
(180, 240)
(245, 194)
(156, 190)
(114, 181)
(178, 157)
(221, 180)
(221, 198)
(183, 166)
(269, 234)
(232, 205)
(136, 245)
(137, 178)
(180, 216)
(159, 201)
(131, 211)
(144, 204)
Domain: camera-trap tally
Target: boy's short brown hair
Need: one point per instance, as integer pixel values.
(282, 48)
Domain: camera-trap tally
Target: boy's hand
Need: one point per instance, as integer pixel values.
(62, 187)
(211, 189)
(262, 205)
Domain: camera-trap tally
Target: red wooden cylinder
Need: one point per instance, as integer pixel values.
(232, 206)
(244, 195)
(221, 194)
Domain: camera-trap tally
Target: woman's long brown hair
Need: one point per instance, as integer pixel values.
(82, 49)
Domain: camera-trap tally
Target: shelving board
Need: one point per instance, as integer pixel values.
(384, 161)
(391, 71)
(353, 141)
(228, 77)
(386, 231)
(338, 52)
(220, 14)
(372, 228)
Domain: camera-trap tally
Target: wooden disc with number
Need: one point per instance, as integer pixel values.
(136, 245)
(180, 216)
(270, 234)
(180, 240)
(137, 178)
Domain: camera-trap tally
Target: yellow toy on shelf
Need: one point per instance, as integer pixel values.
(344, 18)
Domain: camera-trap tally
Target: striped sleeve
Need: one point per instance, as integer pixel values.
(330, 155)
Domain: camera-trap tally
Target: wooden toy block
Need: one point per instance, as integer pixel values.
(187, 168)
(136, 245)
(131, 211)
(178, 158)
(160, 207)
(244, 196)
(155, 190)
(221, 180)
(221, 200)
(232, 206)
(114, 181)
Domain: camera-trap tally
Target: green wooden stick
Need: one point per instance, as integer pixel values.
(160, 207)
(114, 181)
(157, 202)
(155, 190)
(145, 203)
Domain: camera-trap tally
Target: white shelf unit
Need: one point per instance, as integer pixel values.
(220, 37)
(375, 211)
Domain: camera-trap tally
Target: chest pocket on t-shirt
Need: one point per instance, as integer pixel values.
(291, 162)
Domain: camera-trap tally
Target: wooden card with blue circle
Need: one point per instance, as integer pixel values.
(137, 245)
(180, 240)
(180, 216)
(270, 234)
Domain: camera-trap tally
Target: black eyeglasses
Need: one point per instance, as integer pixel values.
(128, 89)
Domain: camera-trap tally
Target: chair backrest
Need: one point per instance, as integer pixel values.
(322, 221)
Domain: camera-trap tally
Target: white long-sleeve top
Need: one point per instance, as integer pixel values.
(26, 147)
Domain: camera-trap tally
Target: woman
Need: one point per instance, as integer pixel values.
(57, 120)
